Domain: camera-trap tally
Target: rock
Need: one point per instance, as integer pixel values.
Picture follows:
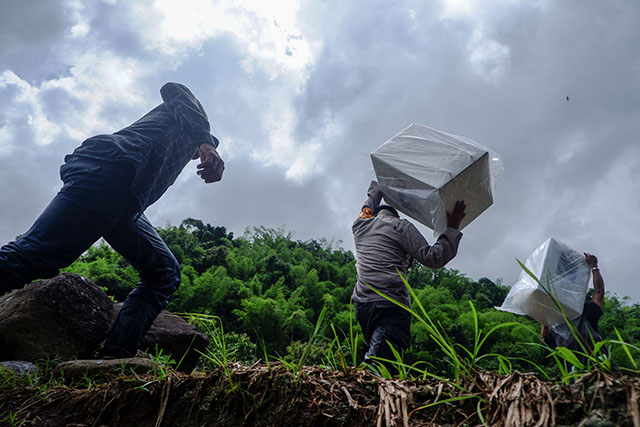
(63, 317)
(68, 317)
(173, 335)
(75, 370)
(18, 366)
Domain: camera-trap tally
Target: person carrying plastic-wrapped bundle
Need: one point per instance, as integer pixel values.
(108, 182)
(587, 324)
(386, 245)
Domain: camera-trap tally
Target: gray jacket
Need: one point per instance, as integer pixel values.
(385, 243)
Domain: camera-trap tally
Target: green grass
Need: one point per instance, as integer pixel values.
(343, 349)
(296, 366)
(464, 361)
(592, 355)
(217, 353)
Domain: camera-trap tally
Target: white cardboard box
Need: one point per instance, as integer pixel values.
(422, 172)
(563, 272)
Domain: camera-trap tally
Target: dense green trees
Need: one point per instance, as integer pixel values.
(271, 287)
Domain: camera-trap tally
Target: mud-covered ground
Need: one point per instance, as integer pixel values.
(274, 396)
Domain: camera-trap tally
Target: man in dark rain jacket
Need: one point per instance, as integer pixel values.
(108, 182)
(586, 326)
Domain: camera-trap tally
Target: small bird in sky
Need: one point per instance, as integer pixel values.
(567, 99)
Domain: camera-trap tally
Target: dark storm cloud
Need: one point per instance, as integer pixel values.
(387, 67)
(57, 102)
(250, 195)
(499, 75)
(235, 100)
(30, 180)
(29, 32)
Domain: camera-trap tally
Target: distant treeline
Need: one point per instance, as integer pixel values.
(269, 289)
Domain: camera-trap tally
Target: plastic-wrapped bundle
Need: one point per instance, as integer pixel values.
(423, 171)
(563, 272)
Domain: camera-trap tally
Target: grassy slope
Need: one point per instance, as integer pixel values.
(273, 395)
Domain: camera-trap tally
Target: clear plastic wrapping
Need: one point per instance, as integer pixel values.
(422, 172)
(563, 272)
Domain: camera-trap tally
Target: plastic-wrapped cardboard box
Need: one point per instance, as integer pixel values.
(423, 171)
(563, 273)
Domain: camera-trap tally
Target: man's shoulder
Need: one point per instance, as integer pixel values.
(399, 224)
(404, 225)
(378, 223)
(361, 220)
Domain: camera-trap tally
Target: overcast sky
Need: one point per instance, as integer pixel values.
(300, 92)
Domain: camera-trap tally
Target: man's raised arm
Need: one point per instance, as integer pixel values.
(374, 196)
(445, 248)
(598, 281)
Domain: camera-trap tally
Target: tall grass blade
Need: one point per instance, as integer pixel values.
(312, 339)
(625, 348)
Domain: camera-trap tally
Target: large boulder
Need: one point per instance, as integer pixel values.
(68, 317)
(174, 336)
(64, 317)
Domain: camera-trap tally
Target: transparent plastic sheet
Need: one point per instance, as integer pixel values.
(422, 172)
(563, 271)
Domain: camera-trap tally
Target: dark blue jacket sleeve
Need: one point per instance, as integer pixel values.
(188, 112)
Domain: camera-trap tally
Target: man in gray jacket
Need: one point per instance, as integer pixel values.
(386, 244)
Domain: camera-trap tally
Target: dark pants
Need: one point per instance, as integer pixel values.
(383, 321)
(96, 201)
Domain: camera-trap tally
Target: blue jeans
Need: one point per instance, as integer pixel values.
(96, 201)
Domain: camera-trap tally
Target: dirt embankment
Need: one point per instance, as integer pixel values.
(263, 396)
